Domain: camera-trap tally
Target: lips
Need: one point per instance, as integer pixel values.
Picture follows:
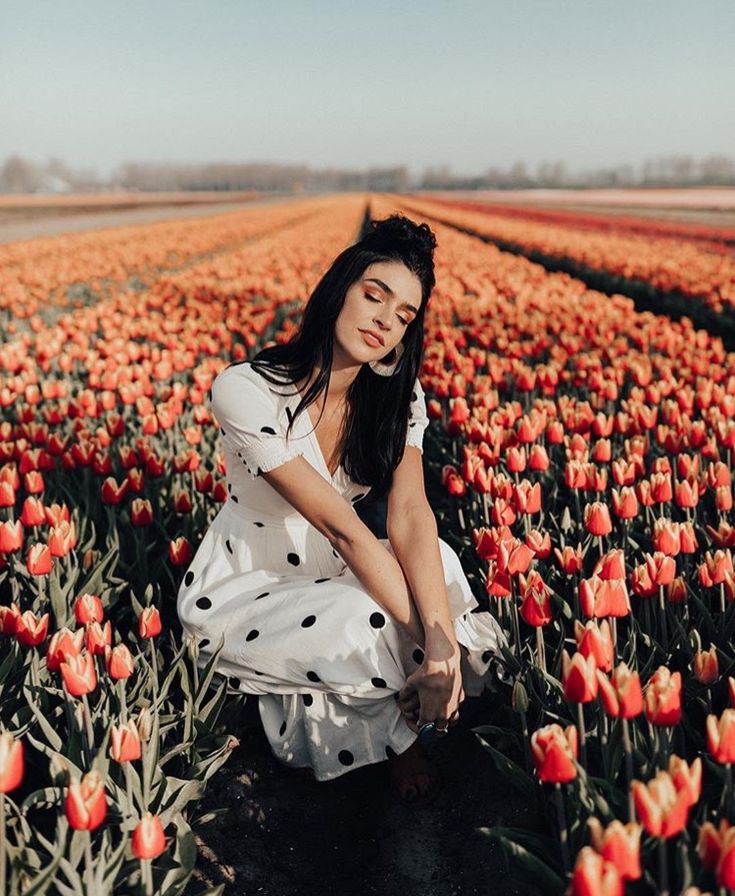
(375, 336)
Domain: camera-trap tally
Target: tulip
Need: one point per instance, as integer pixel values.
(79, 675)
(706, 665)
(621, 694)
(536, 601)
(687, 778)
(721, 736)
(88, 608)
(119, 662)
(570, 559)
(11, 536)
(31, 630)
(97, 637)
(149, 623)
(125, 742)
(661, 809)
(554, 750)
(9, 617)
(625, 503)
(661, 568)
(596, 641)
(141, 512)
(180, 551)
(63, 644)
(39, 561)
(599, 597)
(12, 763)
(663, 697)
(595, 876)
(619, 844)
(610, 566)
(716, 849)
(148, 840)
(597, 519)
(86, 802)
(666, 537)
(578, 677)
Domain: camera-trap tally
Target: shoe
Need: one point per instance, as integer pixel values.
(405, 786)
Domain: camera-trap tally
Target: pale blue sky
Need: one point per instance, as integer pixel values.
(467, 83)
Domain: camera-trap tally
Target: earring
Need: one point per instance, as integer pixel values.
(383, 368)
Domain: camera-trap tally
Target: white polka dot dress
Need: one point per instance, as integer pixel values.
(300, 630)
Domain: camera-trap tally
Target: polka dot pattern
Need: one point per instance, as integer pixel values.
(345, 757)
(377, 620)
(312, 676)
(308, 621)
(188, 578)
(252, 634)
(204, 603)
(293, 559)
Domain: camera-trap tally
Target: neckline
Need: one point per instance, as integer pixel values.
(312, 435)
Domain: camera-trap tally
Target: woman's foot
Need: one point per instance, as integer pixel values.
(414, 777)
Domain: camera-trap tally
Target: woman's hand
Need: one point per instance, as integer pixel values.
(434, 691)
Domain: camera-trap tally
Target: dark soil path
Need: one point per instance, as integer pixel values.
(284, 835)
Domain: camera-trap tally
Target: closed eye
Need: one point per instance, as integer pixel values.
(375, 299)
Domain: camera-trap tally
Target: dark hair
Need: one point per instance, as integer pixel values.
(378, 406)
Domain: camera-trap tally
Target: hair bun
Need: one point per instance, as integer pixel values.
(399, 231)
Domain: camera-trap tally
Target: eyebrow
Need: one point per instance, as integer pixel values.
(390, 292)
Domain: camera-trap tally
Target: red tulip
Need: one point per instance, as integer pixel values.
(706, 665)
(31, 630)
(663, 697)
(39, 561)
(661, 809)
(86, 802)
(554, 750)
(595, 876)
(619, 844)
(9, 617)
(148, 840)
(661, 568)
(578, 677)
(149, 623)
(597, 518)
(12, 762)
(716, 848)
(721, 736)
(11, 536)
(595, 640)
(536, 600)
(88, 608)
(687, 778)
(97, 637)
(625, 503)
(141, 512)
(119, 662)
(79, 674)
(180, 551)
(621, 694)
(570, 559)
(125, 742)
(63, 644)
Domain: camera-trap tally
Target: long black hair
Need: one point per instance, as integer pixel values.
(378, 406)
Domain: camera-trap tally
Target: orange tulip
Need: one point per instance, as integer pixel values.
(554, 750)
(12, 762)
(9, 617)
(721, 736)
(119, 662)
(39, 561)
(595, 876)
(30, 630)
(578, 677)
(97, 637)
(597, 518)
(663, 697)
(619, 844)
(595, 640)
(11, 536)
(149, 623)
(621, 694)
(706, 665)
(536, 600)
(86, 802)
(716, 849)
(570, 559)
(88, 608)
(63, 644)
(148, 840)
(687, 778)
(78, 674)
(125, 742)
(662, 810)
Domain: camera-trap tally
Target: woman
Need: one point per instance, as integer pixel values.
(353, 643)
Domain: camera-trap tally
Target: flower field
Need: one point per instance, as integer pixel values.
(586, 451)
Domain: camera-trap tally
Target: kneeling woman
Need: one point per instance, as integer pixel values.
(351, 642)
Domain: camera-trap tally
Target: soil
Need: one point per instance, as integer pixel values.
(284, 834)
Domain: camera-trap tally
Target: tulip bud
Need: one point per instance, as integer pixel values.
(706, 666)
(12, 762)
(519, 697)
(144, 724)
(86, 803)
(148, 840)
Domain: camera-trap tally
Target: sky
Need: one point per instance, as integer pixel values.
(468, 84)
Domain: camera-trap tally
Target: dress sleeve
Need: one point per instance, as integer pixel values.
(246, 413)
(418, 420)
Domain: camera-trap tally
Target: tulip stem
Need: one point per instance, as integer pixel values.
(563, 835)
(582, 741)
(88, 728)
(89, 879)
(664, 627)
(123, 702)
(154, 666)
(663, 875)
(540, 648)
(145, 867)
(628, 767)
(2, 842)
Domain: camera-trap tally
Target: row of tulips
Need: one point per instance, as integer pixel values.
(706, 236)
(667, 265)
(110, 727)
(619, 602)
(60, 270)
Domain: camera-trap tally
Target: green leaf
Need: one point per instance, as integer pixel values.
(538, 871)
(512, 771)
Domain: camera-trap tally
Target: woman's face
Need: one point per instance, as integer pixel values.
(384, 300)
